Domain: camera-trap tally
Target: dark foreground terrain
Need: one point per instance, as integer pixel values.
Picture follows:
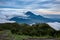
(41, 39)
(40, 31)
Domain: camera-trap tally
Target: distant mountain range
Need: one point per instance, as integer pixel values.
(32, 18)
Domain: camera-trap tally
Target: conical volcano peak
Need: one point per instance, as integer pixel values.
(29, 13)
(32, 18)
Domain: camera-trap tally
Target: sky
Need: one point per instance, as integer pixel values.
(11, 8)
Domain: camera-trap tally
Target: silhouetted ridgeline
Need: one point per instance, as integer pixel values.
(40, 29)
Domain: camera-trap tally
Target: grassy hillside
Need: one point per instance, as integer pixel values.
(23, 31)
(6, 35)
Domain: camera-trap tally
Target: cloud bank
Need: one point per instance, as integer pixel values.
(11, 8)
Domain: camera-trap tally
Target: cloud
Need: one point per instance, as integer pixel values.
(11, 12)
(6, 21)
(57, 0)
(8, 13)
(11, 8)
(55, 25)
(31, 4)
(52, 16)
(34, 4)
(46, 11)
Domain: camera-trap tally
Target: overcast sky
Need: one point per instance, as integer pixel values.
(11, 8)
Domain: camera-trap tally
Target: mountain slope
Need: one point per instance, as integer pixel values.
(32, 18)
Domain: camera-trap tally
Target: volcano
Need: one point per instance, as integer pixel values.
(32, 18)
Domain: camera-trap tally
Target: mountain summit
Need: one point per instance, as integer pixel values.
(32, 18)
(29, 13)
(32, 15)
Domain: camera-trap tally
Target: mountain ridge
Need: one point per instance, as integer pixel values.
(32, 18)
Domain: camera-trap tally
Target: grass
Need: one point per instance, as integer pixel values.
(18, 37)
(6, 35)
(21, 37)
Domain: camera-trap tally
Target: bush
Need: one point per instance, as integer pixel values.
(40, 29)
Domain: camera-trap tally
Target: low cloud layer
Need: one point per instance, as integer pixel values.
(55, 25)
(11, 8)
(6, 13)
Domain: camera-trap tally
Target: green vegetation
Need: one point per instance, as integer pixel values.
(22, 31)
(21, 37)
(6, 35)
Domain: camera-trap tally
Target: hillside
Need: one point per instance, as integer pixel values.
(41, 29)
